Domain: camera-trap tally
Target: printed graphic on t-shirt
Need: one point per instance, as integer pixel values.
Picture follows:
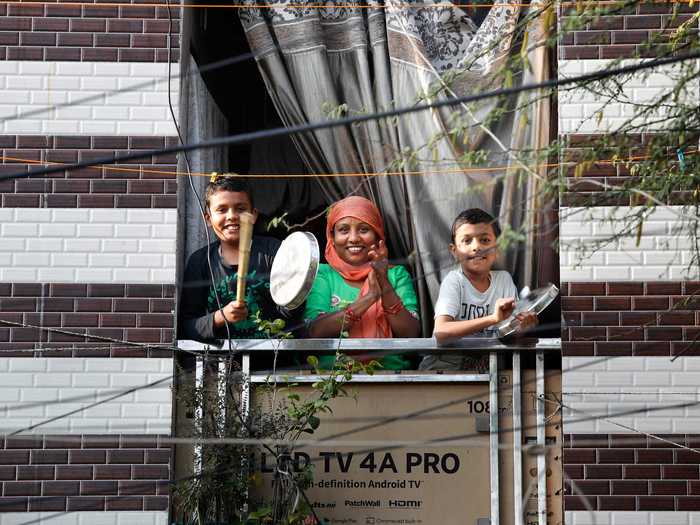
(254, 296)
(474, 311)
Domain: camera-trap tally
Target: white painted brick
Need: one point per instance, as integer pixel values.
(120, 245)
(143, 365)
(32, 215)
(154, 395)
(56, 274)
(68, 259)
(108, 215)
(162, 276)
(5, 259)
(24, 412)
(89, 426)
(131, 275)
(160, 231)
(86, 379)
(144, 261)
(92, 127)
(145, 216)
(52, 380)
(78, 69)
(18, 274)
(44, 395)
(105, 365)
(56, 230)
(130, 231)
(66, 365)
(158, 246)
(31, 259)
(93, 275)
(24, 82)
(28, 82)
(9, 394)
(48, 98)
(105, 410)
(98, 83)
(652, 379)
(95, 230)
(124, 99)
(111, 113)
(135, 127)
(20, 230)
(66, 127)
(146, 411)
(82, 245)
(105, 260)
(16, 97)
(71, 215)
(12, 245)
(127, 380)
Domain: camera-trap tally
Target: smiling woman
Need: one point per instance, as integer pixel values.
(358, 291)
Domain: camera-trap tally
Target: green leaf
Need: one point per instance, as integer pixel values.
(312, 360)
(314, 422)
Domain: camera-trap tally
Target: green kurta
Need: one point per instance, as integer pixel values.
(331, 293)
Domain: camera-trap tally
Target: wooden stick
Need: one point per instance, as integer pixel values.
(244, 242)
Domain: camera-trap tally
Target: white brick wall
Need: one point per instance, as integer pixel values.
(85, 518)
(602, 387)
(632, 518)
(664, 251)
(28, 86)
(578, 107)
(34, 390)
(87, 245)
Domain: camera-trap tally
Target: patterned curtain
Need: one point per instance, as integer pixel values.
(319, 63)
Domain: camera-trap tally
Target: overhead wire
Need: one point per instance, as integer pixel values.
(244, 138)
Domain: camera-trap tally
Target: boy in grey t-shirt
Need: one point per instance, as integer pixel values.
(473, 298)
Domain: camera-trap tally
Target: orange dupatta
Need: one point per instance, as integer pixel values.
(373, 323)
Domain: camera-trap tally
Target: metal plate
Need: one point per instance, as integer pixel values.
(535, 301)
(294, 270)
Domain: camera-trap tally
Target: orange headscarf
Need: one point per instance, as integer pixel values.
(373, 323)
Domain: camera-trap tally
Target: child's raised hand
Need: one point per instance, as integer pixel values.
(235, 311)
(503, 309)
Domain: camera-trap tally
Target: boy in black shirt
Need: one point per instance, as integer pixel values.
(203, 316)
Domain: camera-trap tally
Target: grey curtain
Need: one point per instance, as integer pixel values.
(320, 63)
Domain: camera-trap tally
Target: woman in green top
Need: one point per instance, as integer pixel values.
(358, 292)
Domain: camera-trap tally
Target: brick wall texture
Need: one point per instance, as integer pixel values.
(630, 318)
(631, 472)
(105, 44)
(640, 30)
(72, 313)
(64, 31)
(612, 306)
(71, 473)
(148, 183)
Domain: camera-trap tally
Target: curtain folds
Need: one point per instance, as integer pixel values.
(320, 63)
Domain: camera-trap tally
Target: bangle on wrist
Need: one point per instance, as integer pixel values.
(350, 317)
(393, 309)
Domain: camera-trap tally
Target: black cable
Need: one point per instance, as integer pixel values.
(244, 138)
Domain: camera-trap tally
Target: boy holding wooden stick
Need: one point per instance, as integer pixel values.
(208, 304)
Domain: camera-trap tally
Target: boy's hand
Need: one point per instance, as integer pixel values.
(235, 311)
(503, 310)
(527, 321)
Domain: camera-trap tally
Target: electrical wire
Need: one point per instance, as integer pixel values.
(244, 138)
